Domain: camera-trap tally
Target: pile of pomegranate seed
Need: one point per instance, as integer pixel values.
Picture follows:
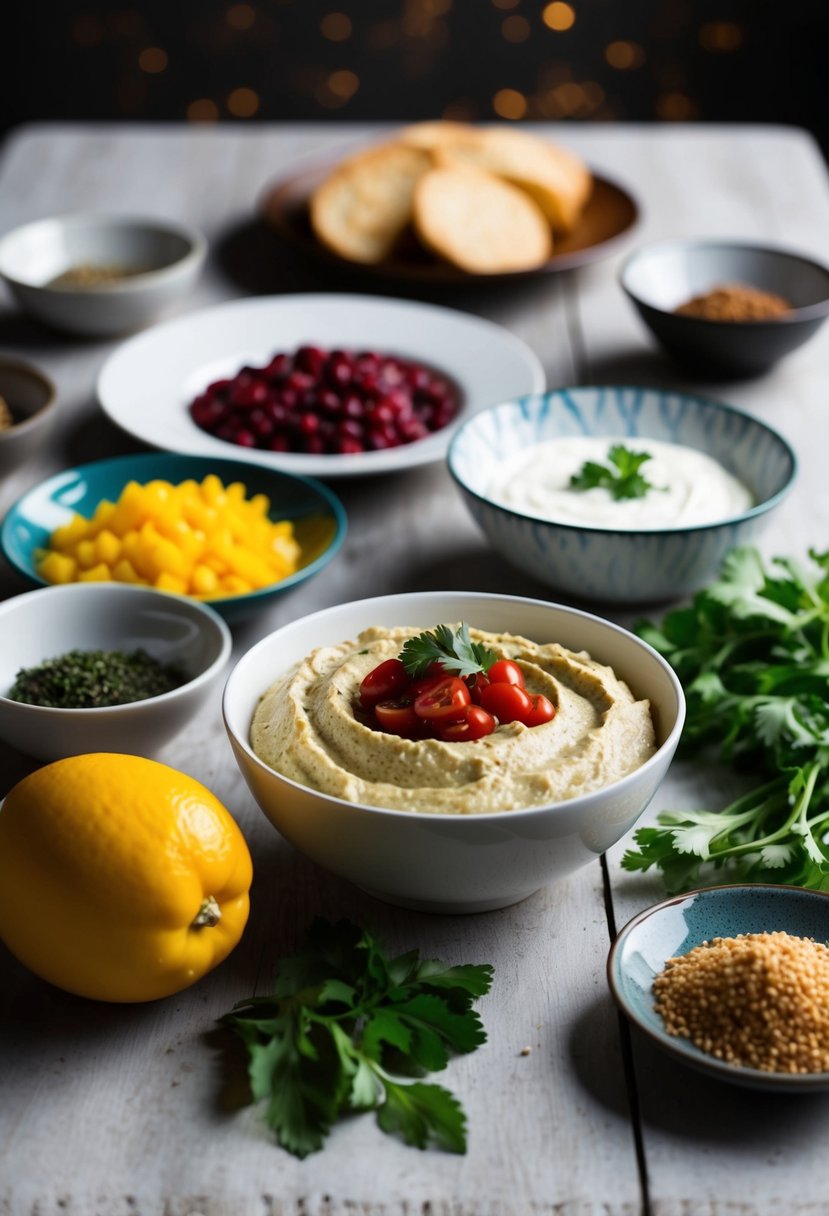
(327, 402)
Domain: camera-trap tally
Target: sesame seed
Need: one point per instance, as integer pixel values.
(757, 1000)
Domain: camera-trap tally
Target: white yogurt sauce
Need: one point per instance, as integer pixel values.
(690, 487)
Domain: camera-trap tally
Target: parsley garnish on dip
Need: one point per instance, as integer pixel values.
(599, 482)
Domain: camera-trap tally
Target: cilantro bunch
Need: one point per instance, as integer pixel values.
(752, 652)
(347, 1028)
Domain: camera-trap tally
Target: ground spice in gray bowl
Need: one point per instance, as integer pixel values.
(758, 1000)
(735, 302)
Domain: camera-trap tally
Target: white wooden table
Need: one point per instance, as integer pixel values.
(132, 1111)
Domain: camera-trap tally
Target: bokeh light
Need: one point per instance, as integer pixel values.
(243, 103)
(624, 55)
(559, 16)
(336, 27)
(240, 16)
(515, 28)
(202, 110)
(509, 103)
(153, 60)
(720, 36)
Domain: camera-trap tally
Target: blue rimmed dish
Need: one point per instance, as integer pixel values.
(675, 927)
(317, 514)
(608, 564)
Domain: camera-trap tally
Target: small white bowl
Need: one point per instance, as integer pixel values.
(31, 397)
(45, 624)
(453, 862)
(163, 260)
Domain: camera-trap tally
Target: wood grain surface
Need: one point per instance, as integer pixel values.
(138, 1111)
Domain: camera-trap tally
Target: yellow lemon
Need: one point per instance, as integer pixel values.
(121, 879)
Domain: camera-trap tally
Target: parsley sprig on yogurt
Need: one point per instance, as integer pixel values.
(620, 476)
(752, 652)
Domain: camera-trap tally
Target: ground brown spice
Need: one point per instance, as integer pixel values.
(735, 302)
(758, 1000)
(6, 416)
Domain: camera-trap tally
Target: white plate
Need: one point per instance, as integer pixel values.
(146, 386)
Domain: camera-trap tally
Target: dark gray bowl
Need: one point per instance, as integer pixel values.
(660, 277)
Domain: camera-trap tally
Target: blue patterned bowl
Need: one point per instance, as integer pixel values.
(318, 516)
(675, 927)
(601, 563)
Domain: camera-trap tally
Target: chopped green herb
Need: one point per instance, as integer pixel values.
(621, 476)
(92, 679)
(752, 652)
(455, 651)
(347, 1026)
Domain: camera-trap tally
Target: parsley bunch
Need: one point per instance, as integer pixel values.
(345, 1025)
(752, 652)
(620, 476)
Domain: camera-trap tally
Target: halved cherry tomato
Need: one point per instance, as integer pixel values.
(384, 682)
(507, 702)
(475, 724)
(504, 671)
(444, 701)
(398, 718)
(542, 711)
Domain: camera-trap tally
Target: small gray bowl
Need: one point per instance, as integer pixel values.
(50, 622)
(160, 261)
(31, 398)
(658, 278)
(614, 565)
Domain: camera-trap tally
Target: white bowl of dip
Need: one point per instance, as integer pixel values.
(460, 856)
(713, 472)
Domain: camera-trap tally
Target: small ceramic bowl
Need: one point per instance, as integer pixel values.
(31, 399)
(317, 514)
(48, 623)
(660, 277)
(675, 927)
(453, 862)
(152, 263)
(604, 563)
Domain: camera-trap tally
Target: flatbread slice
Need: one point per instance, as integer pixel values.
(478, 222)
(363, 208)
(558, 181)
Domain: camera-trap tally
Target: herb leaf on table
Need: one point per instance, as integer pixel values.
(752, 652)
(346, 1025)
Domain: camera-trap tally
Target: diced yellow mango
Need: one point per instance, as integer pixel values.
(168, 582)
(58, 568)
(204, 581)
(85, 554)
(125, 572)
(96, 574)
(68, 534)
(107, 547)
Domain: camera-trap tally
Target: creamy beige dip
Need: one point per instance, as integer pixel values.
(305, 727)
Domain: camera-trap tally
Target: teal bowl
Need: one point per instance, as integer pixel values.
(675, 927)
(318, 516)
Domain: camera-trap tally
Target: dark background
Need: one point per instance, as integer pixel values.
(574, 60)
